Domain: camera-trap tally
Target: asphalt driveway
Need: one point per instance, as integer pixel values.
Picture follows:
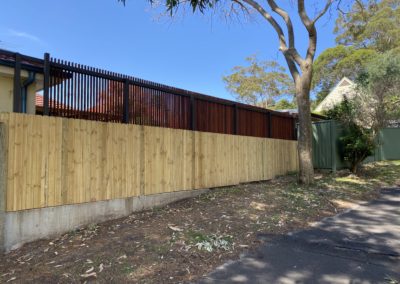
(359, 246)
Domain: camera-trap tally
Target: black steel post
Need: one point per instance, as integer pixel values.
(125, 118)
(192, 113)
(17, 99)
(269, 125)
(46, 83)
(235, 119)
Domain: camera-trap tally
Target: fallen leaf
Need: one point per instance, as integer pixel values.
(174, 228)
(89, 270)
(87, 275)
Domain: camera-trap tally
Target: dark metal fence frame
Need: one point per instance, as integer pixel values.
(47, 65)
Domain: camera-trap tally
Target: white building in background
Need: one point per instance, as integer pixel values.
(344, 89)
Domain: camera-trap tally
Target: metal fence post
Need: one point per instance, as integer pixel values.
(125, 117)
(269, 135)
(333, 130)
(46, 83)
(17, 99)
(192, 112)
(235, 119)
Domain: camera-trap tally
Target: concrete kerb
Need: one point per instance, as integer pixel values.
(28, 225)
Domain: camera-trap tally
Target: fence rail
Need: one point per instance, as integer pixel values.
(77, 91)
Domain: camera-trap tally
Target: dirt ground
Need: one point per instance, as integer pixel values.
(184, 241)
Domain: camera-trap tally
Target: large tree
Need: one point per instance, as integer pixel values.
(300, 67)
(260, 83)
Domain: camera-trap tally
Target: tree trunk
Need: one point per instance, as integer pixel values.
(303, 85)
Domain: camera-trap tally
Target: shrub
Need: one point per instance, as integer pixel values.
(357, 144)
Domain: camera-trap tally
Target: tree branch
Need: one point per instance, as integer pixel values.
(327, 5)
(272, 21)
(285, 16)
(310, 26)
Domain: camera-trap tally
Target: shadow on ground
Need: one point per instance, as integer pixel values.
(358, 246)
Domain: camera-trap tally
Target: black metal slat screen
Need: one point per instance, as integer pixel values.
(76, 91)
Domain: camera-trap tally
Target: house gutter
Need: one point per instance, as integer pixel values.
(25, 85)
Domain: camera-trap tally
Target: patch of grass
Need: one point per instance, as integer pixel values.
(209, 242)
(160, 249)
(127, 269)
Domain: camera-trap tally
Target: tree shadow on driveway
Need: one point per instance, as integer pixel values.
(358, 246)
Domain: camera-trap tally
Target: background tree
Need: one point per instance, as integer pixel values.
(378, 89)
(365, 30)
(334, 64)
(300, 67)
(375, 106)
(260, 83)
(370, 24)
(284, 104)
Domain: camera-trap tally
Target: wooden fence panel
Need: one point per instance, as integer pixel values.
(168, 162)
(57, 161)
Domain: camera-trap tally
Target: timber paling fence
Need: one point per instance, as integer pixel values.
(128, 138)
(76, 91)
(52, 161)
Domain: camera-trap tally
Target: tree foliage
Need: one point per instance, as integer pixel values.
(284, 104)
(337, 62)
(370, 24)
(260, 83)
(367, 29)
(379, 91)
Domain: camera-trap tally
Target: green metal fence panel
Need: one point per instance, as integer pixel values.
(322, 144)
(389, 144)
(327, 151)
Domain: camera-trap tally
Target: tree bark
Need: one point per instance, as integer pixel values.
(303, 85)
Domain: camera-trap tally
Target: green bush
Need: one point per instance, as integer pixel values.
(356, 142)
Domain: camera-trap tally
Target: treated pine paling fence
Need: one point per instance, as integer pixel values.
(54, 161)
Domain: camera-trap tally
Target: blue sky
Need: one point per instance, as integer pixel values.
(190, 51)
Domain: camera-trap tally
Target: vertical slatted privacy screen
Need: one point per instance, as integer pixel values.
(76, 91)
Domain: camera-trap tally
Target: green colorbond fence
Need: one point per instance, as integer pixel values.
(326, 146)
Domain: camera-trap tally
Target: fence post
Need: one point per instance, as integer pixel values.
(17, 105)
(269, 135)
(192, 112)
(3, 183)
(235, 119)
(125, 117)
(332, 125)
(46, 83)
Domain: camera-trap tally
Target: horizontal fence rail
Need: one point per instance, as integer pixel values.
(76, 91)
